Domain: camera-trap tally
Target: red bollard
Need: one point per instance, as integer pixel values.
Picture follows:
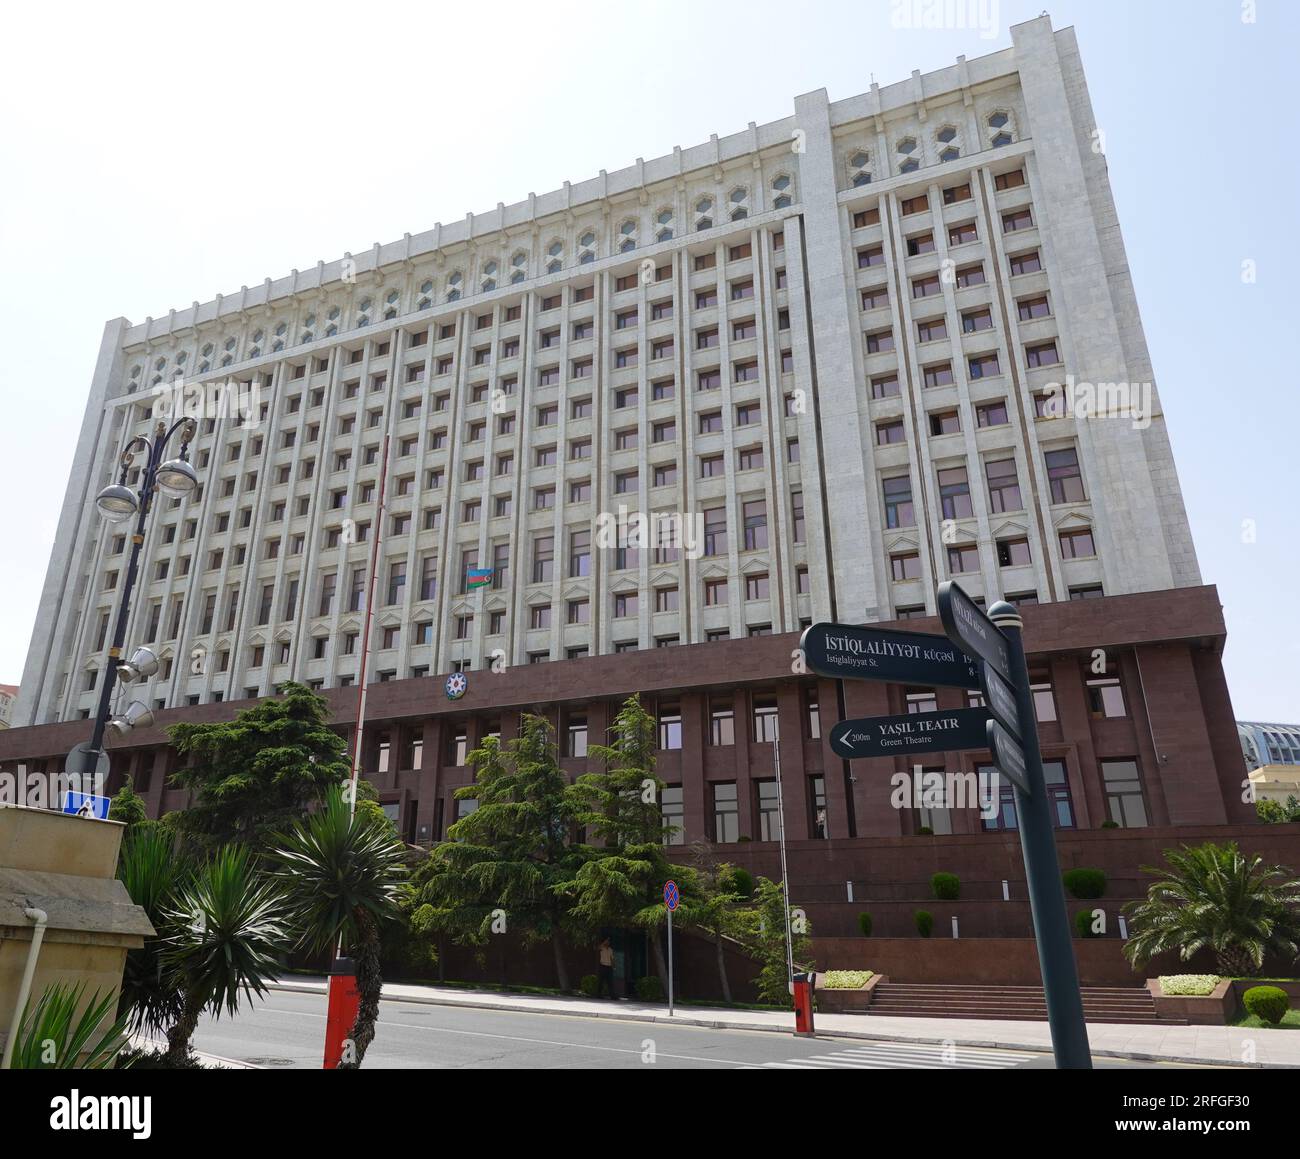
(344, 1001)
(803, 1004)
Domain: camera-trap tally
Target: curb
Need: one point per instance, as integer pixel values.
(204, 1056)
(723, 1024)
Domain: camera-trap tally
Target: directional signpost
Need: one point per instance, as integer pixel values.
(982, 652)
(1012, 736)
(911, 732)
(671, 898)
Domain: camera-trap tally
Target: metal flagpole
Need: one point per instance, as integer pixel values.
(365, 633)
(785, 873)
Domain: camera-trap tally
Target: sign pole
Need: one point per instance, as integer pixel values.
(670, 963)
(672, 895)
(1042, 869)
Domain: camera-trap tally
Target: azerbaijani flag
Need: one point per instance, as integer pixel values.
(477, 577)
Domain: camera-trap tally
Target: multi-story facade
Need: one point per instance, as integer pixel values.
(825, 347)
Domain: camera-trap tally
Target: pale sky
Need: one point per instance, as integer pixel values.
(152, 154)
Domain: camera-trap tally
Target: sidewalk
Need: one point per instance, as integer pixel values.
(1205, 1045)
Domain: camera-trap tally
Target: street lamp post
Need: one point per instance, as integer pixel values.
(117, 503)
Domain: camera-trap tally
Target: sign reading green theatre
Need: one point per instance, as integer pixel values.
(910, 732)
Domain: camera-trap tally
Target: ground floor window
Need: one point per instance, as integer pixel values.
(726, 812)
(1004, 817)
(1125, 804)
(817, 807)
(673, 811)
(769, 817)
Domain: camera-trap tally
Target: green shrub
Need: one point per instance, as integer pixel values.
(1085, 884)
(924, 831)
(650, 989)
(743, 881)
(589, 985)
(924, 922)
(946, 886)
(1188, 985)
(1083, 923)
(845, 979)
(1110, 825)
(864, 924)
(69, 1030)
(1267, 1003)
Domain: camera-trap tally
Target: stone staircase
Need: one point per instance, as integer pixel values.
(1026, 1003)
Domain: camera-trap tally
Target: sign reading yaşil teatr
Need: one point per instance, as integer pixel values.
(910, 732)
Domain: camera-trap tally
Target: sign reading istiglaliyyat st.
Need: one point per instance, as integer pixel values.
(853, 652)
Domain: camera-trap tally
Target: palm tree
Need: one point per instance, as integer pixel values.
(342, 874)
(152, 873)
(1214, 897)
(225, 930)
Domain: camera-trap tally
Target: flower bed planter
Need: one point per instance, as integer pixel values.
(1218, 1008)
(847, 1001)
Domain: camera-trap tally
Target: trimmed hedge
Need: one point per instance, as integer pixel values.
(864, 924)
(946, 886)
(1085, 884)
(924, 922)
(650, 989)
(1083, 923)
(1267, 1003)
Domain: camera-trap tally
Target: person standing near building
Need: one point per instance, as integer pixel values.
(606, 974)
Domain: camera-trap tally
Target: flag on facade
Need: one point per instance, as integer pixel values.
(477, 577)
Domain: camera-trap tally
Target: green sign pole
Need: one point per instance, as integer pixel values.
(1042, 869)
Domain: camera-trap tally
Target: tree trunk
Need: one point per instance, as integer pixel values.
(178, 1037)
(1234, 962)
(369, 984)
(661, 963)
(722, 968)
(561, 974)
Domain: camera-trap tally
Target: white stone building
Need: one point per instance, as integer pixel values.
(823, 341)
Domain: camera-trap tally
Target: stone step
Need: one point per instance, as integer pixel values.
(1126, 1004)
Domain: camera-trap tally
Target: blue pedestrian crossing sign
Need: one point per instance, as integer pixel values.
(86, 805)
(671, 896)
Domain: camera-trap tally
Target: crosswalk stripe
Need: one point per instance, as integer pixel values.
(901, 1056)
(938, 1051)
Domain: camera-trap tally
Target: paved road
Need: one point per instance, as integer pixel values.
(288, 1030)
